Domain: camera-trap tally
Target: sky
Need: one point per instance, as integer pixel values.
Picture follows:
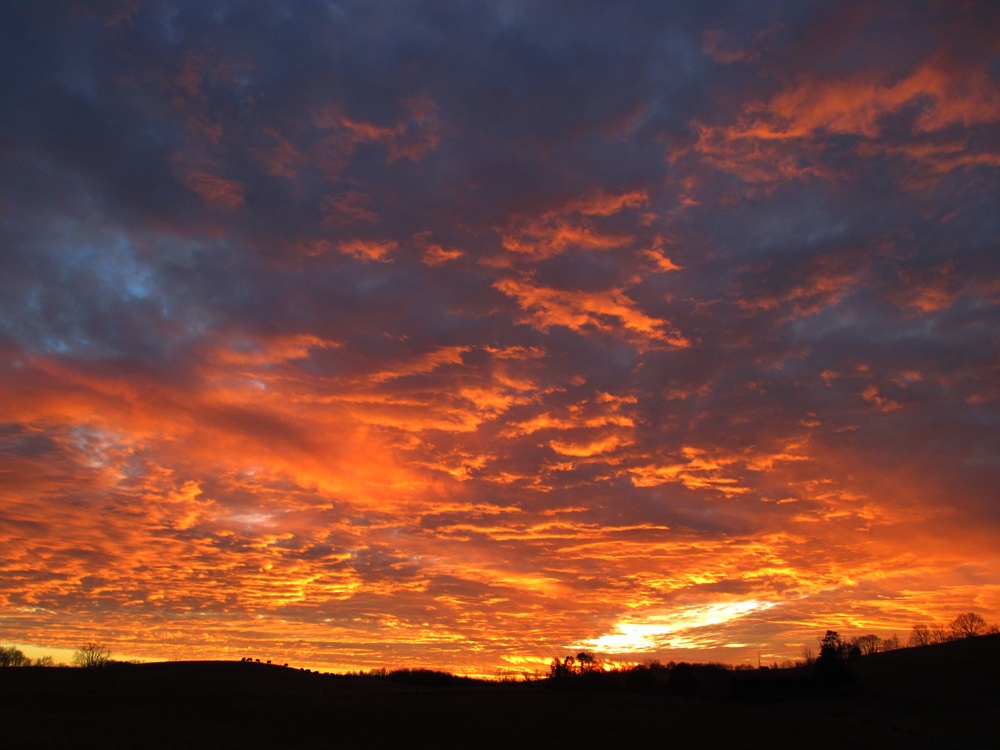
(467, 335)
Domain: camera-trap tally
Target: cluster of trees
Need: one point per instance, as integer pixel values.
(88, 655)
(833, 646)
(583, 663)
(966, 625)
(13, 657)
(685, 680)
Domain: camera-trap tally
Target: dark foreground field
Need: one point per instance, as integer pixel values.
(937, 697)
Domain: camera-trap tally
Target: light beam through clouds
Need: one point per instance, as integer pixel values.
(469, 335)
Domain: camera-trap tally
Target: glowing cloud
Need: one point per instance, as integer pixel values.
(657, 631)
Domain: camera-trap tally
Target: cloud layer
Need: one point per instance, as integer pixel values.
(468, 334)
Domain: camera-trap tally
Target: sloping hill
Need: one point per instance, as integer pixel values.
(943, 696)
(947, 691)
(962, 672)
(234, 678)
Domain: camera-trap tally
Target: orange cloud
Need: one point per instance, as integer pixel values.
(829, 280)
(411, 139)
(697, 471)
(584, 311)
(662, 262)
(282, 158)
(267, 350)
(858, 105)
(929, 292)
(717, 471)
(435, 254)
(871, 395)
(347, 208)
(586, 449)
(758, 147)
(368, 249)
(571, 226)
(216, 191)
(429, 362)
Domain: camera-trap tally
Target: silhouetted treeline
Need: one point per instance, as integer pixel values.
(714, 682)
(711, 681)
(681, 679)
(830, 673)
(966, 625)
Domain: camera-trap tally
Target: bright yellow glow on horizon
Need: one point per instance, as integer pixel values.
(656, 632)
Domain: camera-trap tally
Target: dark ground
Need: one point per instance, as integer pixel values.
(944, 696)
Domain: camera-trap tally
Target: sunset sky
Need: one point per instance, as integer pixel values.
(463, 335)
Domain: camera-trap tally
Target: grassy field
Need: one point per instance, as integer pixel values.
(935, 697)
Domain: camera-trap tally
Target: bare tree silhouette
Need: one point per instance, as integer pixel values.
(10, 656)
(92, 655)
(968, 625)
(921, 635)
(868, 644)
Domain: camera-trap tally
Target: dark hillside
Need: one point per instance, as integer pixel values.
(965, 671)
(947, 690)
(934, 697)
(231, 678)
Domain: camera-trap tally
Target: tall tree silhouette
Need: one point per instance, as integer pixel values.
(968, 625)
(831, 667)
(832, 646)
